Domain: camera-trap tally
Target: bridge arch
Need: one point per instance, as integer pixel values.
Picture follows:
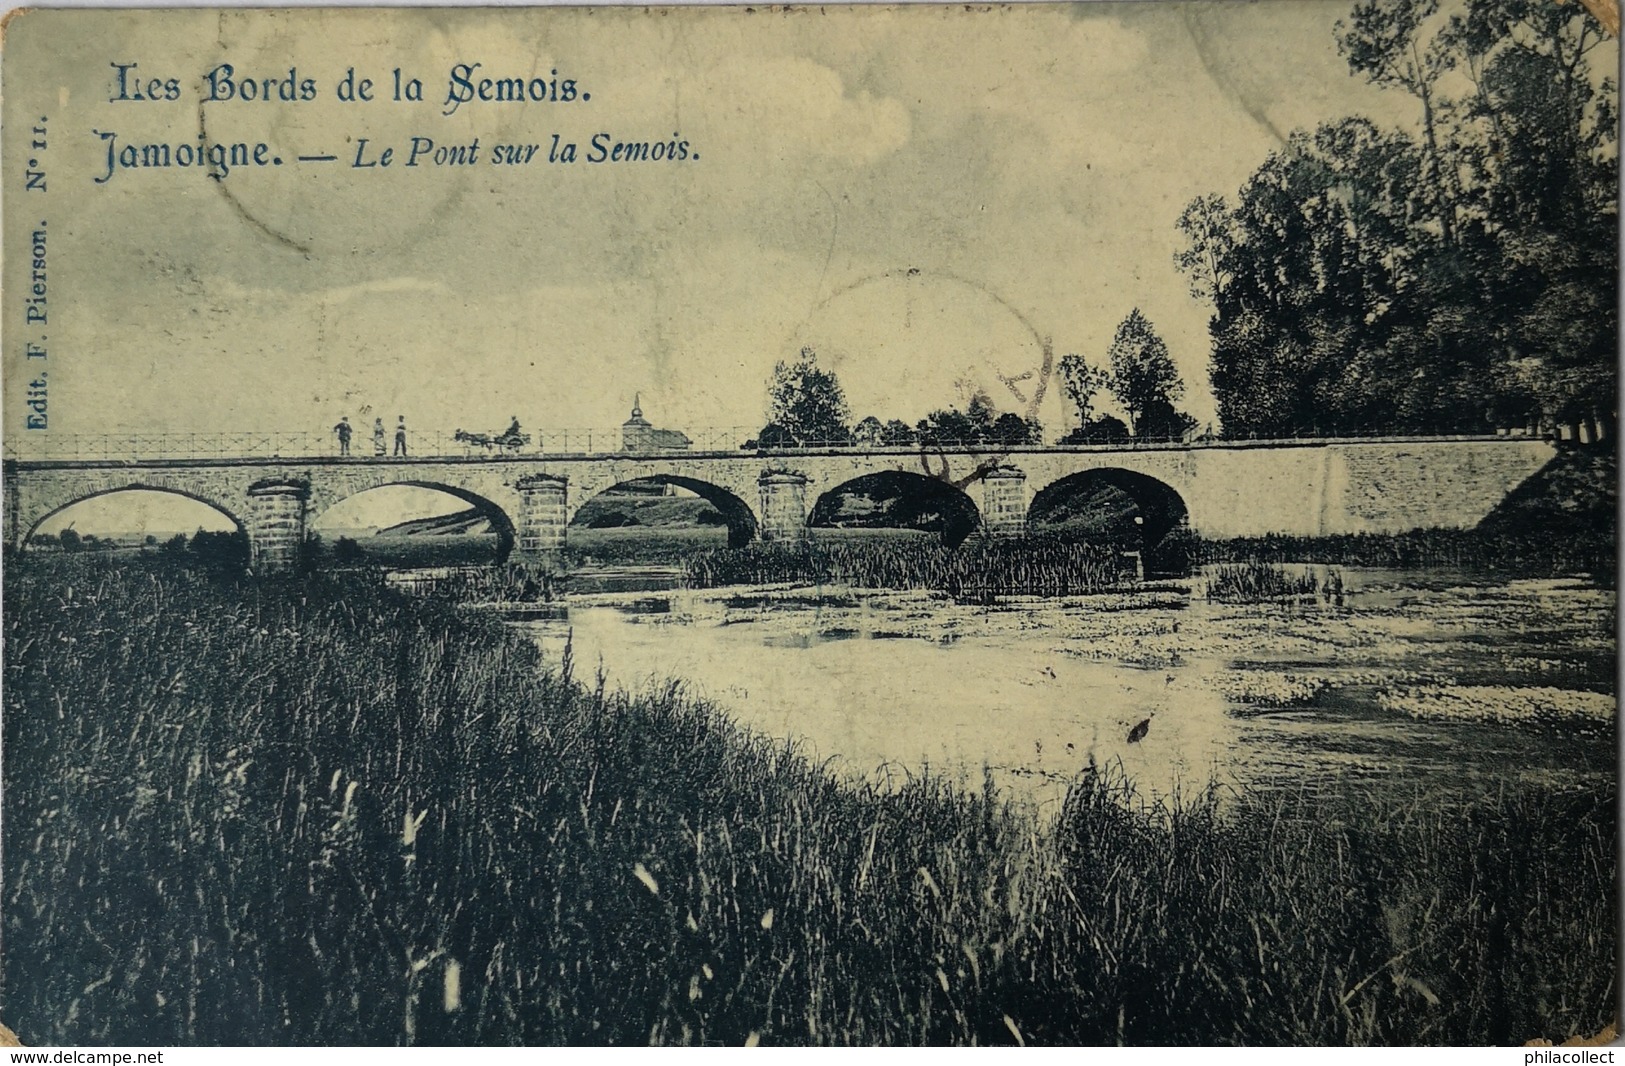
(31, 526)
(1161, 508)
(912, 497)
(502, 523)
(737, 515)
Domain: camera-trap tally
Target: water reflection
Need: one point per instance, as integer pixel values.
(1258, 696)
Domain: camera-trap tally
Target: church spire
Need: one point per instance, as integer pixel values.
(637, 408)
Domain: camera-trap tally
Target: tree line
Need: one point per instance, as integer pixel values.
(1460, 279)
(205, 545)
(807, 405)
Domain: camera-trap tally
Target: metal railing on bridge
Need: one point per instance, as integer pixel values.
(456, 444)
(420, 444)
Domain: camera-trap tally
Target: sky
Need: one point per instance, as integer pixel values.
(928, 197)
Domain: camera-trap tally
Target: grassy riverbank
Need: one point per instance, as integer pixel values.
(318, 812)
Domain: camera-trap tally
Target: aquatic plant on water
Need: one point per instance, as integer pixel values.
(1257, 582)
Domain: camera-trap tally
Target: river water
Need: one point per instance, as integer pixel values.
(1316, 696)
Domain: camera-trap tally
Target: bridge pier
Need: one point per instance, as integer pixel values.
(1004, 502)
(543, 515)
(276, 524)
(784, 505)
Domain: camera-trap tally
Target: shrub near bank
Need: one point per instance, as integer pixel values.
(317, 812)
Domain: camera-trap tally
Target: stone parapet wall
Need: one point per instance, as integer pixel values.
(1394, 488)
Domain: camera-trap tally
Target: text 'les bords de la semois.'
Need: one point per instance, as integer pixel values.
(464, 85)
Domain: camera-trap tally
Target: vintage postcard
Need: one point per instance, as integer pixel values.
(989, 525)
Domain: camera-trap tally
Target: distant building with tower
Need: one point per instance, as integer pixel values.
(637, 435)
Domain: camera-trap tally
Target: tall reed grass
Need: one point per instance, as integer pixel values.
(1529, 551)
(504, 583)
(979, 568)
(316, 811)
(1256, 582)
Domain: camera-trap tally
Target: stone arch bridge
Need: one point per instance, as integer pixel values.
(1217, 489)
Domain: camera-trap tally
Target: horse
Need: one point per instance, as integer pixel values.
(504, 442)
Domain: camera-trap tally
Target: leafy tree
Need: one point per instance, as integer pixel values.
(1365, 280)
(1538, 138)
(70, 540)
(1080, 382)
(977, 424)
(1142, 371)
(913, 511)
(979, 409)
(950, 427)
(1161, 421)
(807, 402)
(225, 549)
(1011, 428)
(175, 545)
(1105, 429)
(896, 434)
(1207, 225)
(1308, 249)
(772, 435)
(1253, 378)
(868, 432)
(1382, 40)
(346, 550)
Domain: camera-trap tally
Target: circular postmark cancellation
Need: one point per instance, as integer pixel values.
(908, 342)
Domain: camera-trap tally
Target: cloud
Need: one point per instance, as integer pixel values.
(800, 107)
(756, 112)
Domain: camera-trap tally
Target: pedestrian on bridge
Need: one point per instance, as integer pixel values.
(400, 436)
(378, 437)
(344, 431)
